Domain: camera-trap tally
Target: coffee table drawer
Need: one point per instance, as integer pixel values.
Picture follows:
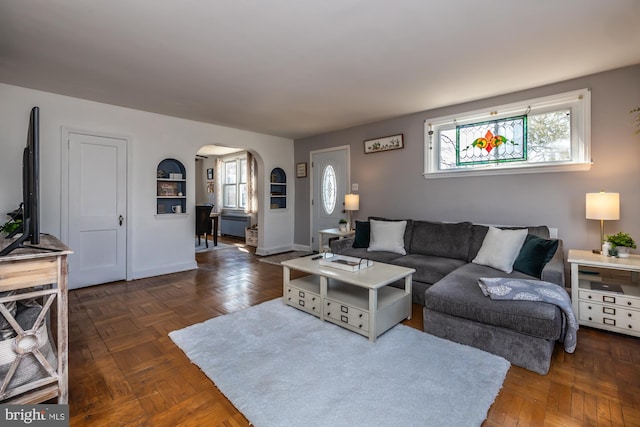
(303, 299)
(345, 314)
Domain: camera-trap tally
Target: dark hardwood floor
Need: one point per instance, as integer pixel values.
(125, 370)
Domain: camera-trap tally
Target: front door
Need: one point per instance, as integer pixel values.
(97, 189)
(329, 183)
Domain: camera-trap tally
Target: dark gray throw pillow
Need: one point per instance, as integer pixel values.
(536, 252)
(363, 234)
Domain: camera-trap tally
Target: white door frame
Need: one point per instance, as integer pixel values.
(311, 187)
(64, 187)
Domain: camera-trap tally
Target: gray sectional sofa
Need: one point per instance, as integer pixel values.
(446, 284)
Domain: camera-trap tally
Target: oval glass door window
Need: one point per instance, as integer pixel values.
(329, 189)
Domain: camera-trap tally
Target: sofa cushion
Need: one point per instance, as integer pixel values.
(429, 269)
(500, 248)
(438, 239)
(458, 294)
(380, 256)
(536, 252)
(479, 231)
(361, 237)
(387, 236)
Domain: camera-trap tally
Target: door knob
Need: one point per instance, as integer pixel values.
(120, 220)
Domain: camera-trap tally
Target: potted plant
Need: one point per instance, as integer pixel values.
(343, 224)
(10, 226)
(621, 244)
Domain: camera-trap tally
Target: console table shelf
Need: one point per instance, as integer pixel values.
(27, 274)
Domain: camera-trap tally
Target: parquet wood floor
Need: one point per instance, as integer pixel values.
(125, 371)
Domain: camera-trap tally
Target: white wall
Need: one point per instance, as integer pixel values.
(156, 246)
(391, 183)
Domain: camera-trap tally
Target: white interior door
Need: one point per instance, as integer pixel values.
(97, 209)
(329, 183)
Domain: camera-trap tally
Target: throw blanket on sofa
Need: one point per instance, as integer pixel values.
(535, 290)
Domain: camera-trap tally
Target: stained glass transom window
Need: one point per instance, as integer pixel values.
(536, 135)
(494, 141)
(329, 184)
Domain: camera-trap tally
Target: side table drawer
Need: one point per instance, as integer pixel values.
(611, 316)
(609, 298)
(304, 300)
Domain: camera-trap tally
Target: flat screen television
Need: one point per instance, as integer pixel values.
(30, 228)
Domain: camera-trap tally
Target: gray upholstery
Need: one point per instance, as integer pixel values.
(522, 350)
(441, 239)
(446, 283)
(429, 269)
(459, 295)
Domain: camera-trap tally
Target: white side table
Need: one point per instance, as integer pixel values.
(331, 232)
(605, 291)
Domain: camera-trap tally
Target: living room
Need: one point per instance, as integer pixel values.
(391, 183)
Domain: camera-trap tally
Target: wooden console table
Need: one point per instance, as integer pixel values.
(39, 274)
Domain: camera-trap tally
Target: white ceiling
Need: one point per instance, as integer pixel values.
(296, 68)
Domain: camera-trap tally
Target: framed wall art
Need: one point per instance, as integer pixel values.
(385, 143)
(210, 173)
(301, 170)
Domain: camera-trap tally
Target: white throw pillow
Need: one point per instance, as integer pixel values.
(500, 248)
(387, 236)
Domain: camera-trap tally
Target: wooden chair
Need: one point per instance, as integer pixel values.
(203, 222)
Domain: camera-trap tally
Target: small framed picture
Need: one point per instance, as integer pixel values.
(301, 170)
(385, 143)
(210, 173)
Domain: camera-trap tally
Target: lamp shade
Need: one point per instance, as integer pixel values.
(603, 206)
(351, 202)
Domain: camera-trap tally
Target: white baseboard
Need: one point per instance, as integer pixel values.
(165, 269)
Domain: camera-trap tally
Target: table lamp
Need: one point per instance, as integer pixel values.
(603, 206)
(351, 203)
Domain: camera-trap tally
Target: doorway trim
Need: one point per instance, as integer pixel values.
(64, 186)
(311, 183)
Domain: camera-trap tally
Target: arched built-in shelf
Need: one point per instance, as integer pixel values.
(278, 189)
(171, 192)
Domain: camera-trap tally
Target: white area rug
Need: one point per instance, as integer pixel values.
(282, 367)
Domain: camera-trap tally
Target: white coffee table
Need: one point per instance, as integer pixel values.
(361, 301)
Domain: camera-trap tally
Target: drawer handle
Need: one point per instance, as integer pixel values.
(360, 316)
(313, 299)
(628, 302)
(344, 309)
(301, 303)
(609, 310)
(606, 298)
(289, 290)
(301, 294)
(360, 326)
(606, 321)
(589, 307)
(344, 319)
(590, 318)
(629, 314)
(589, 297)
(630, 327)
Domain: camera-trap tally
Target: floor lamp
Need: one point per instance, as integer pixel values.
(351, 203)
(603, 206)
